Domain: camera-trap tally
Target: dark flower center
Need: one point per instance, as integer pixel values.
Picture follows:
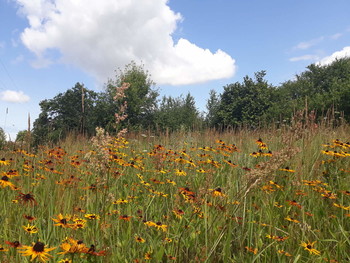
(63, 221)
(39, 247)
(4, 178)
(309, 246)
(28, 196)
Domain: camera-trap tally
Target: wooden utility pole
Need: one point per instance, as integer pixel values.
(82, 110)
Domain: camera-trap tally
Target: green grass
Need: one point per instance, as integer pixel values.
(256, 198)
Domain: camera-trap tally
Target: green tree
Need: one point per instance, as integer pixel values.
(71, 111)
(245, 103)
(2, 138)
(141, 96)
(212, 106)
(177, 113)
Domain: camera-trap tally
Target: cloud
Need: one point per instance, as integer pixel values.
(310, 43)
(304, 57)
(101, 36)
(345, 52)
(14, 96)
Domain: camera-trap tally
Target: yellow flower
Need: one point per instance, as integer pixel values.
(139, 239)
(4, 181)
(38, 250)
(92, 216)
(30, 229)
(2, 249)
(310, 247)
(72, 246)
(62, 220)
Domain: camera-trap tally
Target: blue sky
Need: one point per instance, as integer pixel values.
(187, 45)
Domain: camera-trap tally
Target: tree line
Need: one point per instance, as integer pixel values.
(248, 103)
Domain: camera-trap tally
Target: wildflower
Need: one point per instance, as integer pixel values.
(38, 250)
(92, 216)
(284, 253)
(310, 247)
(167, 240)
(14, 244)
(120, 201)
(62, 221)
(341, 206)
(286, 169)
(29, 217)
(139, 239)
(178, 213)
(27, 198)
(261, 144)
(217, 192)
(125, 218)
(180, 172)
(2, 249)
(278, 238)
(253, 250)
(3, 161)
(72, 246)
(230, 163)
(170, 182)
(276, 204)
(159, 226)
(78, 223)
(92, 251)
(294, 203)
(148, 255)
(66, 260)
(4, 182)
(30, 229)
(292, 219)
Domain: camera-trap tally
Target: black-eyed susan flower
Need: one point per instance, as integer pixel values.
(62, 221)
(310, 246)
(161, 226)
(38, 251)
(287, 169)
(72, 246)
(66, 260)
(278, 238)
(4, 182)
(284, 253)
(14, 244)
(178, 213)
(252, 250)
(92, 216)
(3, 161)
(29, 218)
(30, 229)
(27, 198)
(92, 251)
(120, 201)
(2, 249)
(217, 192)
(125, 218)
(139, 239)
(290, 219)
(148, 255)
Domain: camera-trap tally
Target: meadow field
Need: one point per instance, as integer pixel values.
(270, 195)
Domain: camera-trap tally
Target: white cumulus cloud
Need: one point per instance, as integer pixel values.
(101, 36)
(345, 52)
(304, 57)
(14, 96)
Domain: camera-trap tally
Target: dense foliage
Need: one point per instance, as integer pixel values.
(325, 90)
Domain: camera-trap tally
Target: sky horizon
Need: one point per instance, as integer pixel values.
(47, 46)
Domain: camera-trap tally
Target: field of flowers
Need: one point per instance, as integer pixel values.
(262, 196)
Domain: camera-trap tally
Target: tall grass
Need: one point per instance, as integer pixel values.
(190, 196)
